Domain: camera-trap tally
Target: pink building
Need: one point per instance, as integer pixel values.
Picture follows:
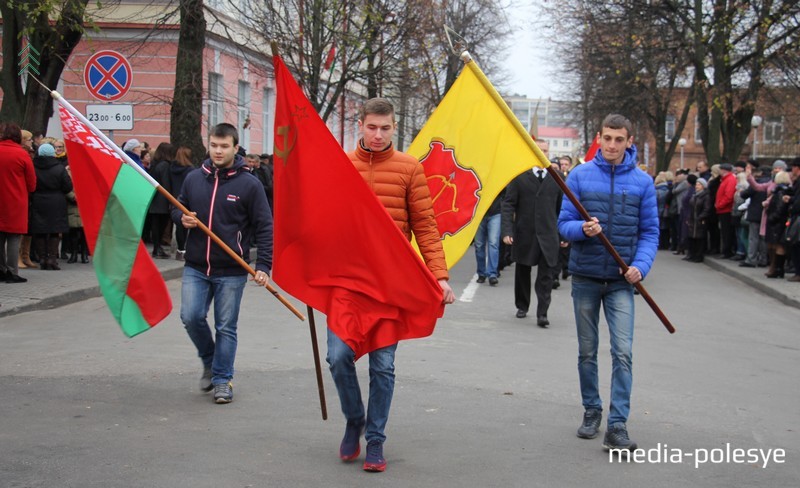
(238, 85)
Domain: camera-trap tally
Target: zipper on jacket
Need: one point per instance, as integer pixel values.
(211, 221)
(624, 197)
(611, 209)
(371, 172)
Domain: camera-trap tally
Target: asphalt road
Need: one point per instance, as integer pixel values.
(488, 401)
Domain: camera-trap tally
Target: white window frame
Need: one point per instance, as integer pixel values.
(669, 128)
(216, 107)
(243, 112)
(268, 121)
(772, 126)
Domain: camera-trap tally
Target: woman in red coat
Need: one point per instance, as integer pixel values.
(17, 180)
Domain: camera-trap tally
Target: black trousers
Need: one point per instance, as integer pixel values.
(158, 222)
(543, 286)
(727, 235)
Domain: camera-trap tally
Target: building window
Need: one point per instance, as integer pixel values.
(773, 130)
(669, 128)
(267, 121)
(243, 119)
(215, 100)
(697, 137)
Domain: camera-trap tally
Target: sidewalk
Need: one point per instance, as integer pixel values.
(779, 289)
(51, 289)
(75, 282)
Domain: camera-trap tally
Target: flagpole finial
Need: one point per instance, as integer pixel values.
(466, 57)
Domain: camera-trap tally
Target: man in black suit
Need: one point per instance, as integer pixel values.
(529, 223)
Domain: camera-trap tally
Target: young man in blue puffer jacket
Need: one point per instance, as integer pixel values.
(621, 199)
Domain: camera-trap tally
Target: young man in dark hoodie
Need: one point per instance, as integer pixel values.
(231, 202)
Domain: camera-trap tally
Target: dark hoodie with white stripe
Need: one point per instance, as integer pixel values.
(232, 203)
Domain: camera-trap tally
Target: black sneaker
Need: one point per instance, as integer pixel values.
(493, 281)
(223, 393)
(375, 462)
(617, 438)
(481, 279)
(591, 424)
(205, 380)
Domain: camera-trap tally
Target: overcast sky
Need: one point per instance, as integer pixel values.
(532, 58)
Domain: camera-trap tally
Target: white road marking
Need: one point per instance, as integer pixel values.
(470, 290)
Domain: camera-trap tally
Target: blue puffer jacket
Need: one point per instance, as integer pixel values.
(232, 203)
(623, 199)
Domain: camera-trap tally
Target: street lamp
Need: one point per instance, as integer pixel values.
(682, 142)
(755, 122)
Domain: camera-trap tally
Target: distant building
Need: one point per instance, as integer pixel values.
(551, 120)
(776, 137)
(564, 141)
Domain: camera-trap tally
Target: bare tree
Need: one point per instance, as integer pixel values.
(731, 45)
(32, 106)
(626, 60)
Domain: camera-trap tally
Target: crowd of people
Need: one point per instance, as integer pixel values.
(45, 227)
(744, 212)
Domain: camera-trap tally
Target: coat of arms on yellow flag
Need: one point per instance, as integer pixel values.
(471, 148)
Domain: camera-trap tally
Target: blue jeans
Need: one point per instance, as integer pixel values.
(381, 385)
(742, 236)
(196, 294)
(488, 234)
(617, 300)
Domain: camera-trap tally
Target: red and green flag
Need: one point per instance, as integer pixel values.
(113, 199)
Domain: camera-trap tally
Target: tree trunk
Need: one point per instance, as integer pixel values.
(13, 99)
(54, 43)
(186, 113)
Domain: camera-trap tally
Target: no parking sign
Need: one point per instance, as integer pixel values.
(108, 75)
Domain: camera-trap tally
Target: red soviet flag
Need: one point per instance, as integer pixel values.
(336, 247)
(592, 151)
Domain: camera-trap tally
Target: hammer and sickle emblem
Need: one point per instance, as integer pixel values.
(288, 145)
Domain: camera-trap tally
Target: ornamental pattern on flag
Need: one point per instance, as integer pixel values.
(113, 200)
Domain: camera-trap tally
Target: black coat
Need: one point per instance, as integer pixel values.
(177, 173)
(530, 215)
(48, 210)
(777, 214)
(754, 210)
(700, 210)
(159, 170)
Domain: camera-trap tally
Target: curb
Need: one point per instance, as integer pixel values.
(757, 284)
(73, 296)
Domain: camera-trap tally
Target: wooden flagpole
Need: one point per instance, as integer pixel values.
(312, 326)
(174, 201)
(470, 64)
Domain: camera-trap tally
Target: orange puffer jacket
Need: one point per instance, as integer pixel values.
(400, 184)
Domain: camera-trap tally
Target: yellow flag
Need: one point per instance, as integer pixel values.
(471, 148)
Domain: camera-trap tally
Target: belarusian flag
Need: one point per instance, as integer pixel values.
(471, 147)
(113, 200)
